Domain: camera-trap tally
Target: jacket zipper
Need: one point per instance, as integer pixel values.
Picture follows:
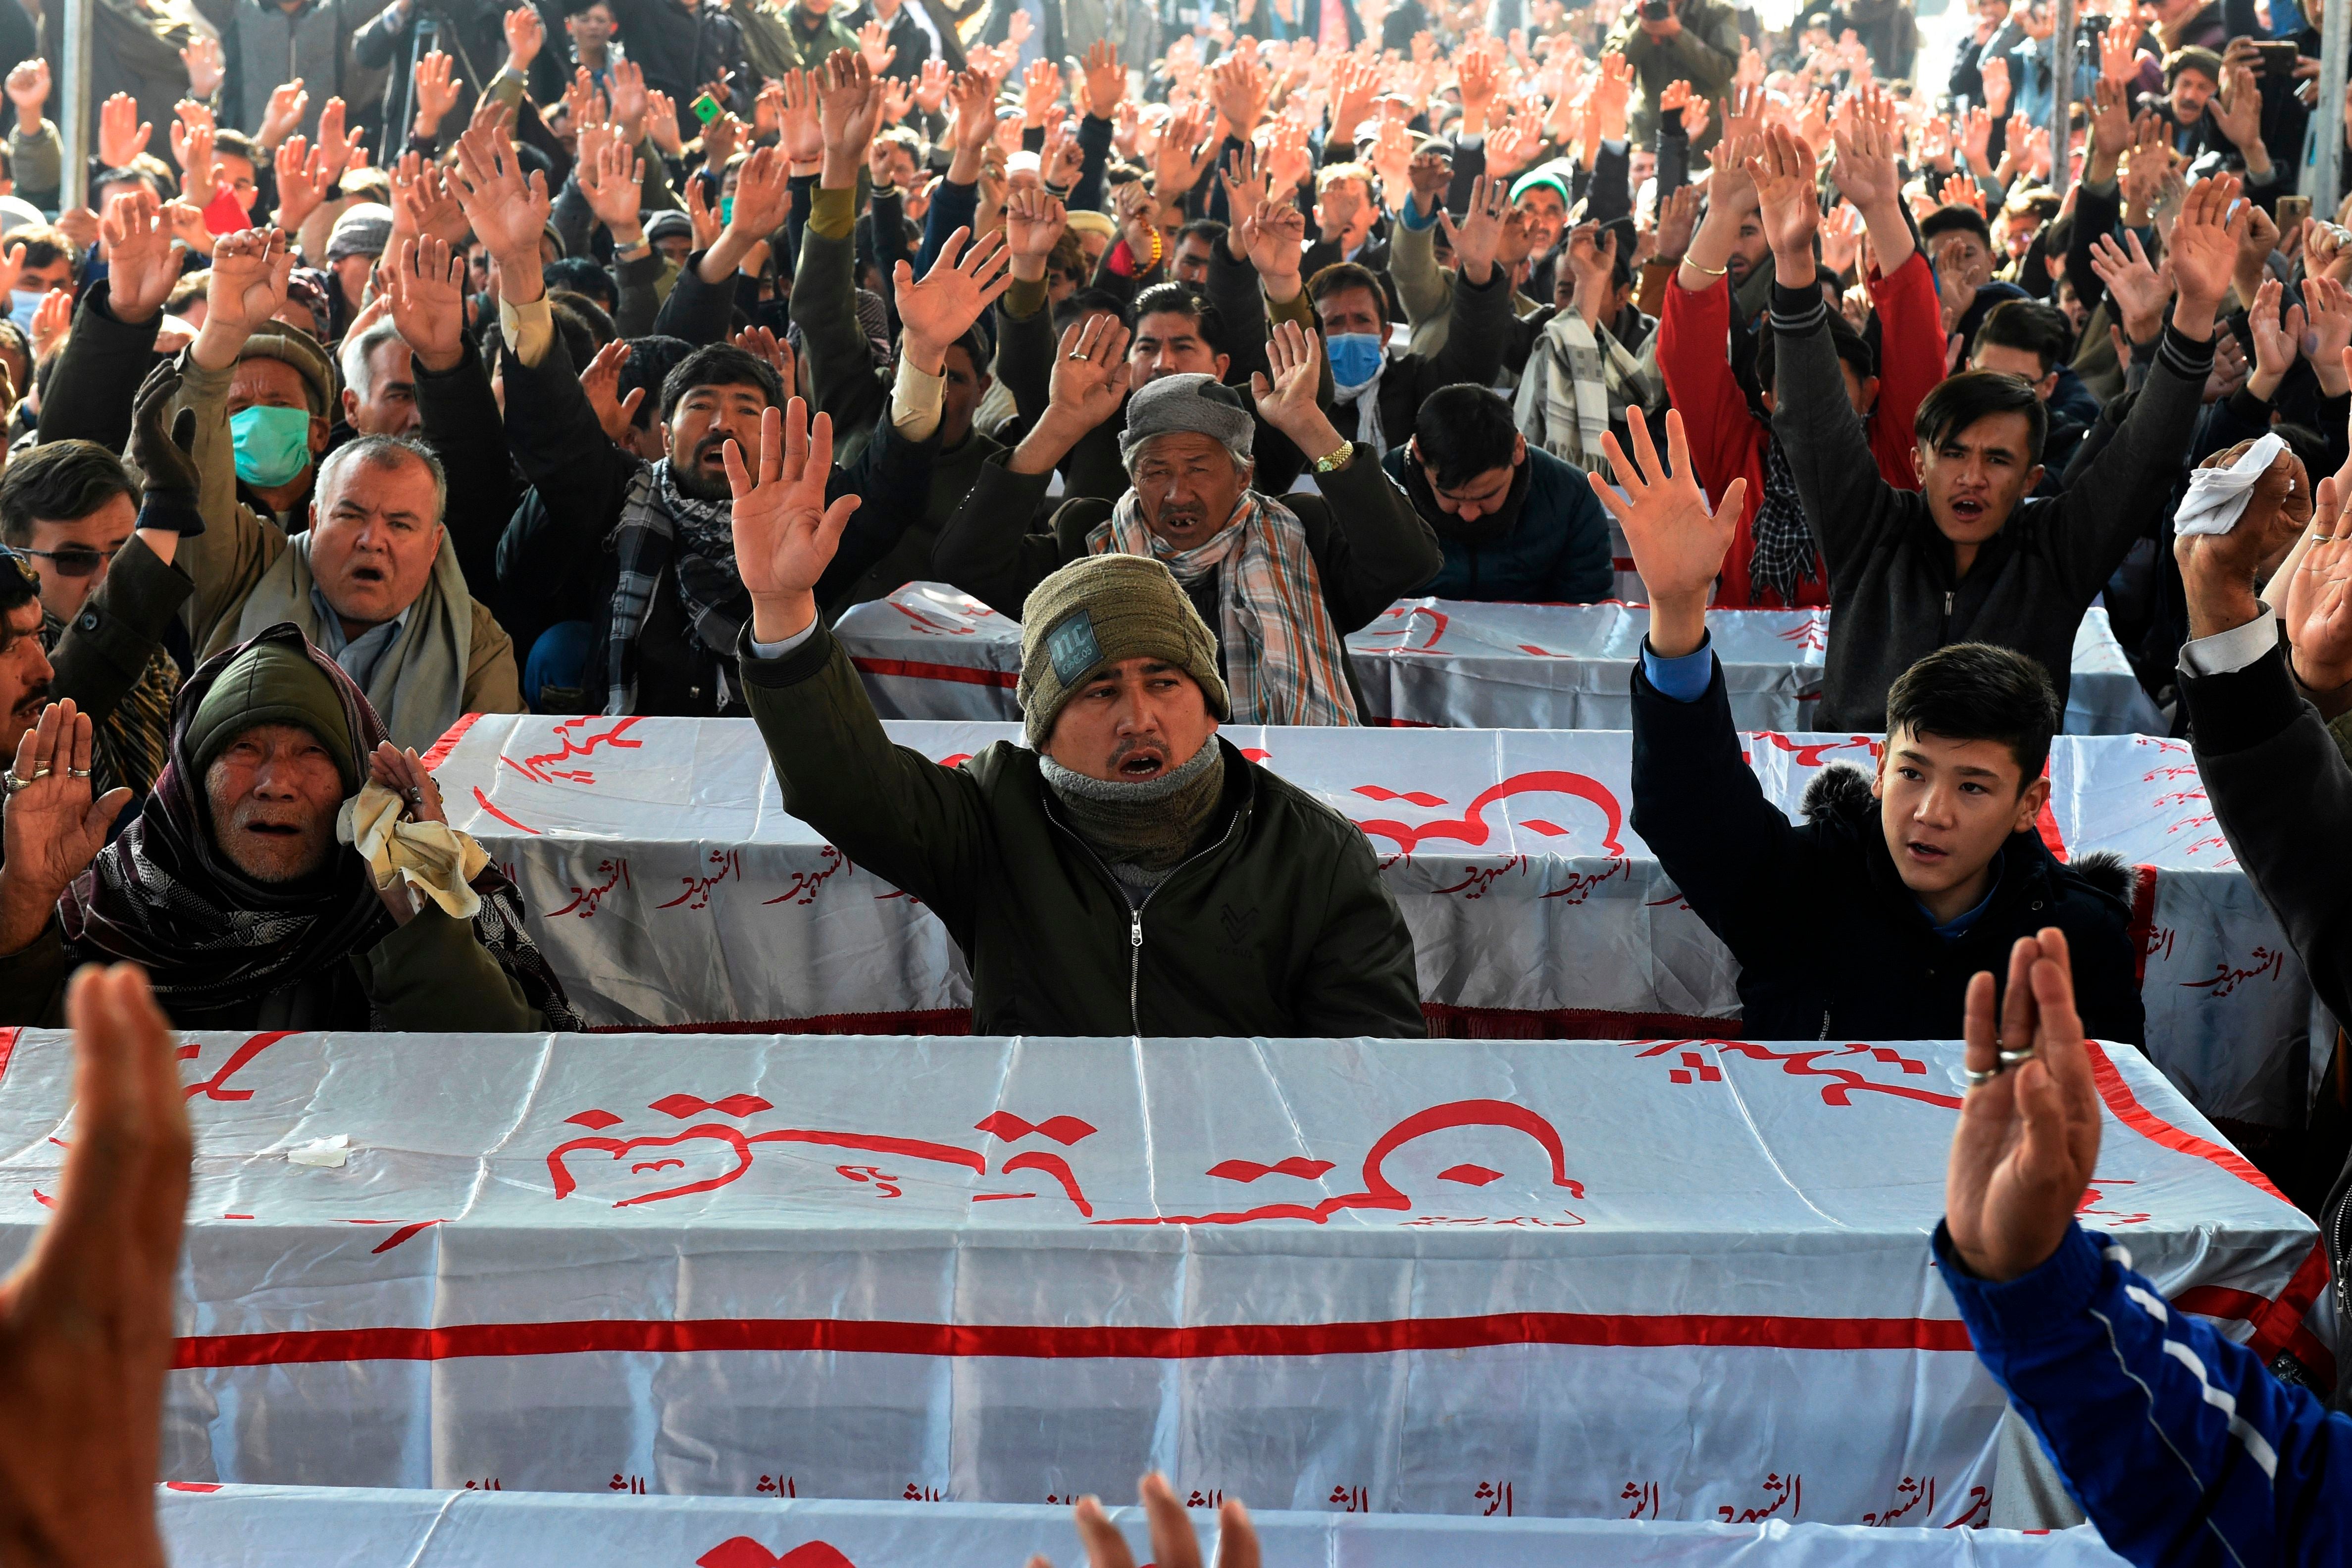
(1135, 910)
(1948, 595)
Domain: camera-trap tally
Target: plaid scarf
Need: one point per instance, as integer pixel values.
(1782, 555)
(212, 940)
(1285, 661)
(661, 528)
(128, 746)
(1579, 383)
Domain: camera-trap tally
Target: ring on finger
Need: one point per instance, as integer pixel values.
(2013, 1058)
(1979, 1078)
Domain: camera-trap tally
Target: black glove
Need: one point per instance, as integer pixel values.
(165, 456)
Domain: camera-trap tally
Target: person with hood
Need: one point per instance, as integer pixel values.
(1866, 922)
(291, 868)
(1128, 872)
(1774, 560)
(1515, 524)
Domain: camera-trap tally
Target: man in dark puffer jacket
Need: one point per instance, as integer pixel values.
(1866, 922)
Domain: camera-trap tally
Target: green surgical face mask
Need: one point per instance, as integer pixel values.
(273, 444)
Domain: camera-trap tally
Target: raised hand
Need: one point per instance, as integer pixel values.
(1106, 79)
(874, 46)
(288, 104)
(1995, 72)
(1867, 140)
(28, 89)
(762, 344)
(1481, 233)
(2327, 330)
(423, 202)
(1173, 1544)
(436, 93)
(1274, 235)
(2139, 291)
(1841, 233)
(1677, 217)
(1184, 152)
(121, 134)
(1783, 176)
(1041, 89)
(785, 534)
(429, 300)
(931, 86)
(763, 195)
(2319, 597)
(52, 828)
(246, 288)
(601, 382)
(2119, 54)
(507, 213)
(1035, 221)
(2203, 251)
(526, 35)
(1679, 543)
(86, 1343)
(1286, 398)
(850, 112)
(192, 150)
(141, 265)
(1063, 160)
(2028, 1138)
(343, 148)
(1959, 191)
(2278, 340)
(941, 308)
(612, 180)
(1090, 374)
(304, 181)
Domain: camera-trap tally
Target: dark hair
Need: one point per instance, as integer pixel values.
(1178, 299)
(18, 587)
(650, 360)
(1210, 229)
(721, 365)
(2040, 329)
(42, 244)
(1953, 218)
(579, 274)
(1345, 275)
(129, 174)
(1464, 431)
(1958, 402)
(1850, 346)
(1087, 302)
(1974, 691)
(237, 144)
(57, 482)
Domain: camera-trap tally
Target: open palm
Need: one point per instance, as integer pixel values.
(1679, 543)
(785, 534)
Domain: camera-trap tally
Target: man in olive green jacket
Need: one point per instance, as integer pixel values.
(1128, 872)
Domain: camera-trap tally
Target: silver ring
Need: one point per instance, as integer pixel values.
(2013, 1058)
(1978, 1080)
(76, 773)
(1075, 354)
(13, 783)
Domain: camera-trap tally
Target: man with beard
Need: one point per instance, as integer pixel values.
(231, 889)
(1515, 524)
(1283, 580)
(1128, 872)
(641, 550)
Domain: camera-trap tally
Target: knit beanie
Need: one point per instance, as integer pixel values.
(1192, 401)
(271, 682)
(364, 229)
(1099, 612)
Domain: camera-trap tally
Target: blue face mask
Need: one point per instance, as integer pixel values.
(726, 209)
(273, 444)
(23, 304)
(1355, 357)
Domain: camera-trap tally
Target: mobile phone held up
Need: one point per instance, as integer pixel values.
(705, 108)
(2278, 57)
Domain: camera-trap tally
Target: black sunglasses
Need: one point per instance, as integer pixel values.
(74, 560)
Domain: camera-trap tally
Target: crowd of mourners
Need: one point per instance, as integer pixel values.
(595, 356)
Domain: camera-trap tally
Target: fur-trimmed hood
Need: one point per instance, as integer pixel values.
(1841, 793)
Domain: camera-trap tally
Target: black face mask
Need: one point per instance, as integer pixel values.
(1486, 528)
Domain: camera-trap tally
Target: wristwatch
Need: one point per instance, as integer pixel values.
(1337, 460)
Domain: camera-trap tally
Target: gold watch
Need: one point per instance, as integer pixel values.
(1337, 460)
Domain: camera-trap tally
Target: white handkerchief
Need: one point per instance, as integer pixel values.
(2217, 497)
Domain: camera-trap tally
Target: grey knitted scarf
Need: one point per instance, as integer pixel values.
(1143, 831)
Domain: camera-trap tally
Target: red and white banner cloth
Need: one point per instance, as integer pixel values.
(669, 887)
(306, 1527)
(931, 652)
(1313, 1274)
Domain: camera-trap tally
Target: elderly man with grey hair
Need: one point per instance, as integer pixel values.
(380, 383)
(1279, 581)
(372, 582)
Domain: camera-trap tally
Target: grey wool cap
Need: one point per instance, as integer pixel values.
(1193, 401)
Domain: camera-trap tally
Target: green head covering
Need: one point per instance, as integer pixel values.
(1097, 610)
(1543, 174)
(271, 683)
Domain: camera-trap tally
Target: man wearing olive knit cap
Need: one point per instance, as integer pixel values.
(1128, 872)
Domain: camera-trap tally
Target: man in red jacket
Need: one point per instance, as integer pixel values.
(1773, 563)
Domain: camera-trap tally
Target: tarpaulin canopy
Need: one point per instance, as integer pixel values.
(931, 652)
(302, 1527)
(1313, 1274)
(669, 887)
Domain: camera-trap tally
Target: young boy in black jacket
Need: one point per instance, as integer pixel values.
(1865, 923)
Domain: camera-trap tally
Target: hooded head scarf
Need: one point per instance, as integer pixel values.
(165, 896)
